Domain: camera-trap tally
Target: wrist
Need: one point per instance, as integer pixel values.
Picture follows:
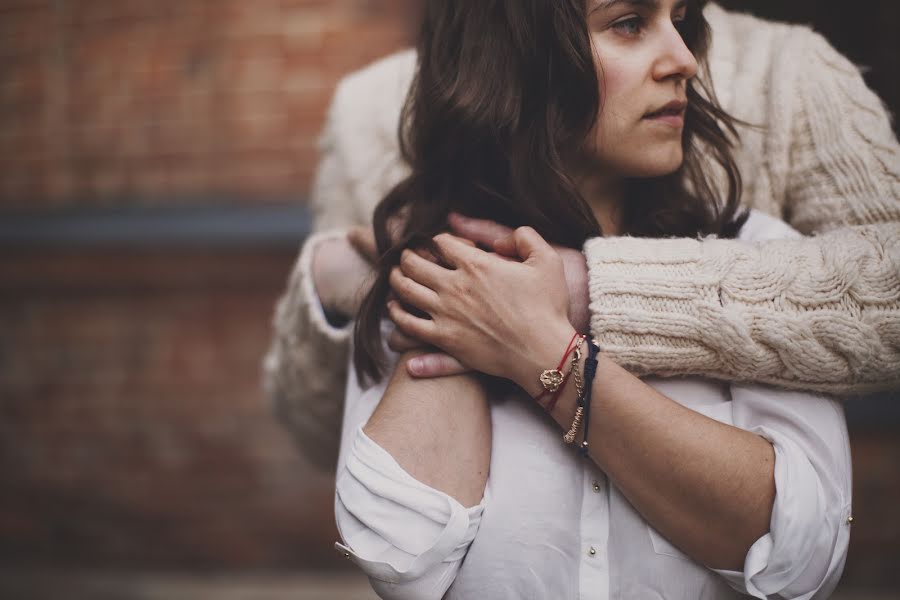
(339, 276)
(579, 296)
(321, 275)
(544, 355)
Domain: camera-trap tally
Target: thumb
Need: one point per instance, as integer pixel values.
(530, 246)
(479, 231)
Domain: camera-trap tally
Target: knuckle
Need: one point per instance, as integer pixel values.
(397, 279)
(456, 286)
(423, 253)
(406, 258)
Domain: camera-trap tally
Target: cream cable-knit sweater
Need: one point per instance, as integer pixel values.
(819, 313)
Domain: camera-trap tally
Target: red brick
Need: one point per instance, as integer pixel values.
(148, 82)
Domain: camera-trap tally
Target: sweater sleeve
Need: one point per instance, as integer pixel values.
(305, 369)
(821, 313)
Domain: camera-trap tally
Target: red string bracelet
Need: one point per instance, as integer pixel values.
(558, 393)
(547, 389)
(549, 378)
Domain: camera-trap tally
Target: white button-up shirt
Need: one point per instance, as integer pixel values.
(552, 526)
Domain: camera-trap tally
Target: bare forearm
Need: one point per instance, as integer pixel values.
(707, 486)
(438, 430)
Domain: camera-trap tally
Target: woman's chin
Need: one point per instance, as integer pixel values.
(653, 160)
(657, 164)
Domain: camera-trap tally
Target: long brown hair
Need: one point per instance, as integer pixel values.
(504, 91)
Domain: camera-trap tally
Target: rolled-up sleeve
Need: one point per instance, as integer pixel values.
(409, 538)
(802, 556)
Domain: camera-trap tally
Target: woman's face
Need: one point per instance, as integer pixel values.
(643, 66)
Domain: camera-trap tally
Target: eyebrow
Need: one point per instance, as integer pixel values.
(604, 4)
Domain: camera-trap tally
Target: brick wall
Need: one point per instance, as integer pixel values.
(114, 101)
(105, 101)
(132, 429)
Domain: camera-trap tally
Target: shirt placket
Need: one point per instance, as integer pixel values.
(594, 571)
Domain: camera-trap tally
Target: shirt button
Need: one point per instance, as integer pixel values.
(592, 551)
(596, 488)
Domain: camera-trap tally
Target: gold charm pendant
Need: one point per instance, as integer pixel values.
(551, 379)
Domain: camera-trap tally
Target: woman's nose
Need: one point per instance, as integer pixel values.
(675, 58)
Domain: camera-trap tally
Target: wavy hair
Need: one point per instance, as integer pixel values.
(504, 92)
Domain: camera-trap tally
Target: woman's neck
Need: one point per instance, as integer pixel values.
(604, 194)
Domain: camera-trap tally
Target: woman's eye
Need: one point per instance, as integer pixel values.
(630, 26)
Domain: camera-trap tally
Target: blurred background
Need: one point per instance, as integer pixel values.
(155, 157)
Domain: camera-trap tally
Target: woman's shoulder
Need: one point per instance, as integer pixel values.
(762, 226)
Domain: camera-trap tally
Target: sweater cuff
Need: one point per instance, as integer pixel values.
(649, 300)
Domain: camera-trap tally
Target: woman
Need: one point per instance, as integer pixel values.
(688, 488)
(832, 170)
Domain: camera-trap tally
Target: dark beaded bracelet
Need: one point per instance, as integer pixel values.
(590, 369)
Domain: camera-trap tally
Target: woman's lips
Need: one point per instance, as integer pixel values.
(671, 114)
(674, 118)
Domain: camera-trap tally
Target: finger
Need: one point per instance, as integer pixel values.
(411, 325)
(530, 246)
(479, 231)
(506, 246)
(413, 293)
(363, 240)
(400, 342)
(427, 255)
(454, 251)
(422, 271)
(436, 364)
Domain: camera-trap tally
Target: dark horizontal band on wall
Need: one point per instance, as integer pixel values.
(223, 227)
(202, 226)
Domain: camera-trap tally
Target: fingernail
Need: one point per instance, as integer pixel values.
(416, 365)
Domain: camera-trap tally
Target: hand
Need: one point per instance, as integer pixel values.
(496, 315)
(342, 271)
(429, 364)
(342, 268)
(485, 232)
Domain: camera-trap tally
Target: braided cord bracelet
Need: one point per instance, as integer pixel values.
(590, 370)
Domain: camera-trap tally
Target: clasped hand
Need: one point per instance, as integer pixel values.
(342, 273)
(486, 310)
